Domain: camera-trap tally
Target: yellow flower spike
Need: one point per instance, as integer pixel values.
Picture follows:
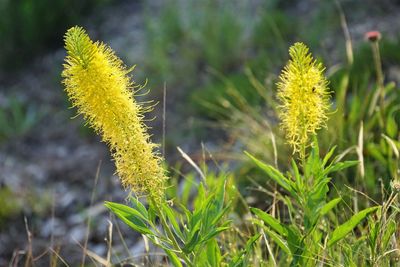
(304, 98)
(97, 83)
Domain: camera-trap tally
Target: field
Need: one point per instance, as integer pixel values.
(200, 133)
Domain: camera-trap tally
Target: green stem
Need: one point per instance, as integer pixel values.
(380, 81)
(303, 165)
(379, 72)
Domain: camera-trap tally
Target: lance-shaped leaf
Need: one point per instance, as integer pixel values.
(131, 217)
(274, 174)
(270, 221)
(342, 230)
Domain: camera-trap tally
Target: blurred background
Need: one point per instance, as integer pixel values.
(215, 61)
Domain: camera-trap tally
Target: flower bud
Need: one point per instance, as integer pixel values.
(373, 36)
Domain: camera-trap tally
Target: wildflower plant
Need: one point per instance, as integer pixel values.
(97, 83)
(304, 99)
(192, 228)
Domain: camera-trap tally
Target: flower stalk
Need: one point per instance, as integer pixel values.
(304, 98)
(98, 84)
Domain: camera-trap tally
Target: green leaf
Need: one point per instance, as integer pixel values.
(391, 125)
(172, 220)
(270, 221)
(221, 213)
(213, 233)
(200, 198)
(315, 201)
(131, 217)
(373, 233)
(318, 193)
(194, 223)
(220, 195)
(297, 176)
(125, 210)
(313, 164)
(348, 253)
(239, 258)
(330, 205)
(274, 174)
(376, 153)
(188, 214)
(392, 145)
(251, 241)
(341, 231)
(189, 246)
(389, 231)
(152, 211)
(213, 253)
(328, 156)
(279, 241)
(173, 258)
(136, 204)
(340, 166)
(295, 242)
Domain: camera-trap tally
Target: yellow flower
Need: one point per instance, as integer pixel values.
(97, 83)
(304, 98)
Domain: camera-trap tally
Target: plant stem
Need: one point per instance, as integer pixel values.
(303, 165)
(379, 79)
(379, 73)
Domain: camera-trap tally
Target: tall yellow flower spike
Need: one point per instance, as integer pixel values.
(304, 98)
(97, 83)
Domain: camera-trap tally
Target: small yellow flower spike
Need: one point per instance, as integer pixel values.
(97, 83)
(304, 98)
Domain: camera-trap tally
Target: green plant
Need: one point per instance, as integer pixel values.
(195, 220)
(366, 122)
(303, 106)
(187, 236)
(28, 26)
(308, 234)
(10, 204)
(304, 229)
(97, 83)
(186, 39)
(17, 118)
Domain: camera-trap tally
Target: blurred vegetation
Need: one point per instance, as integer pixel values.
(28, 202)
(363, 126)
(189, 37)
(32, 27)
(10, 204)
(17, 118)
(190, 44)
(226, 60)
(228, 57)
